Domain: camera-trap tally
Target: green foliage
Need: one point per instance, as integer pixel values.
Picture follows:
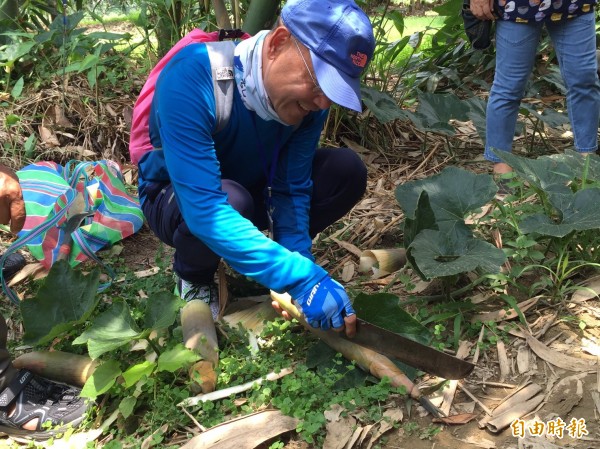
(66, 299)
(439, 242)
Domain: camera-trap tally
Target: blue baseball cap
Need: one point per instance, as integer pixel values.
(339, 36)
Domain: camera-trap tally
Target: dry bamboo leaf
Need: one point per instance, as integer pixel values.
(253, 318)
(523, 359)
(565, 395)
(29, 270)
(48, 137)
(339, 432)
(558, 359)
(588, 290)
(352, 249)
(498, 423)
(502, 315)
(355, 146)
(448, 397)
(348, 271)
(596, 399)
(354, 438)
(390, 417)
(463, 418)
(502, 360)
(247, 432)
(482, 443)
(365, 433)
(527, 391)
(590, 346)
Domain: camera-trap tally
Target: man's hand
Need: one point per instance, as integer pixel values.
(12, 206)
(327, 306)
(483, 9)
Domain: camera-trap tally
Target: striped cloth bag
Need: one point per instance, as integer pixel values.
(52, 193)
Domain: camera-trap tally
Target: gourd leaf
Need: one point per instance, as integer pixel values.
(437, 254)
(66, 299)
(176, 358)
(453, 194)
(101, 380)
(110, 330)
(578, 212)
(161, 310)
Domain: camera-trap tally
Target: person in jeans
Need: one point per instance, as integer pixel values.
(29, 402)
(210, 194)
(519, 23)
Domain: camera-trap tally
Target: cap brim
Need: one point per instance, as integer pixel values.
(336, 85)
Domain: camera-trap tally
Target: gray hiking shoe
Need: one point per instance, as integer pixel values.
(204, 292)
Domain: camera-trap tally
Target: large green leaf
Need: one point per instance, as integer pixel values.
(385, 310)
(541, 172)
(161, 310)
(109, 330)
(381, 104)
(578, 212)
(438, 255)
(66, 299)
(549, 116)
(101, 380)
(577, 162)
(136, 372)
(441, 108)
(176, 358)
(453, 194)
(477, 114)
(424, 219)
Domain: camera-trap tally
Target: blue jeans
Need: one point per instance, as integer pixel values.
(516, 47)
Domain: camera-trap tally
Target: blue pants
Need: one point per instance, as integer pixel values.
(516, 46)
(339, 181)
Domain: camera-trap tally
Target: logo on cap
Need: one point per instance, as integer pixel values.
(359, 59)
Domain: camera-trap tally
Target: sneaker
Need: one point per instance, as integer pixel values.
(55, 407)
(204, 292)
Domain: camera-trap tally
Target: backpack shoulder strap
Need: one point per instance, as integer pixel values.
(221, 62)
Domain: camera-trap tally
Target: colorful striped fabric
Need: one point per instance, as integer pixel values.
(50, 190)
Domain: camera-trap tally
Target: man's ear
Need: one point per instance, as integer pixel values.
(277, 42)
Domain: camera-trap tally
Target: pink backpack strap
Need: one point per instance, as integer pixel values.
(139, 142)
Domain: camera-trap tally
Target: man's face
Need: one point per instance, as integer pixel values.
(289, 78)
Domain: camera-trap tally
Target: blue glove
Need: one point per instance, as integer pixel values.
(326, 304)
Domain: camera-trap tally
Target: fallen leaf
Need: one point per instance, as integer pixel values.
(247, 432)
(502, 315)
(559, 359)
(456, 419)
(339, 432)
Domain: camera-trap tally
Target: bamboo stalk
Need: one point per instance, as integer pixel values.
(371, 361)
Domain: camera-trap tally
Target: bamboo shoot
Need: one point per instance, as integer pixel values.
(72, 369)
(200, 335)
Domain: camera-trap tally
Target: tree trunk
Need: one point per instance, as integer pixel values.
(261, 16)
(221, 14)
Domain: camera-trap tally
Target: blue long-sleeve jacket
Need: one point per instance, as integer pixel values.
(194, 160)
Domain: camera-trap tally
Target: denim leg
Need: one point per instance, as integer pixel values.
(575, 45)
(516, 47)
